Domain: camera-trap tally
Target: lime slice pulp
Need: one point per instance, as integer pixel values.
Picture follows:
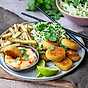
(47, 71)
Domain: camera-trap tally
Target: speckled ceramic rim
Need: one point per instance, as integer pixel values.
(4, 67)
(57, 4)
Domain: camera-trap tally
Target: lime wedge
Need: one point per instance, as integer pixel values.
(47, 71)
(41, 63)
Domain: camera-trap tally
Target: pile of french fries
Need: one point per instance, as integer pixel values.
(17, 34)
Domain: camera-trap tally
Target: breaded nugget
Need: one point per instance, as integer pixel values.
(48, 44)
(69, 44)
(72, 55)
(56, 54)
(65, 64)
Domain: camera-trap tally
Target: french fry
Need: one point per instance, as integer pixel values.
(15, 27)
(21, 36)
(6, 35)
(6, 43)
(23, 41)
(11, 30)
(23, 28)
(28, 35)
(25, 36)
(17, 34)
(2, 48)
(29, 26)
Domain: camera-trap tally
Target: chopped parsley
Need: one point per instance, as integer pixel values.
(23, 50)
(49, 6)
(26, 57)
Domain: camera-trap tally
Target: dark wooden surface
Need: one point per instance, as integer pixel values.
(79, 76)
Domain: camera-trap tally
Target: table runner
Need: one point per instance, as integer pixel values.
(79, 76)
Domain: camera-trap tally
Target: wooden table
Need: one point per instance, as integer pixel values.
(17, 6)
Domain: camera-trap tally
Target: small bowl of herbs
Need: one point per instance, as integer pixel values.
(75, 10)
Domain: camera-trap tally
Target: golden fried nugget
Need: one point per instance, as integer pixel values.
(65, 64)
(56, 54)
(48, 44)
(73, 55)
(69, 44)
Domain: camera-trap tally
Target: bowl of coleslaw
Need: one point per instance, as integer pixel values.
(76, 11)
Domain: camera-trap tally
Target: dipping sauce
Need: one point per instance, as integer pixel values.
(20, 57)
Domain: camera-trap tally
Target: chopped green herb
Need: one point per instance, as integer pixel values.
(26, 57)
(49, 6)
(53, 37)
(63, 47)
(23, 50)
(31, 5)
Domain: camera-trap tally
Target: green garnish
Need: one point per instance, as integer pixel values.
(64, 46)
(53, 37)
(26, 57)
(23, 50)
(49, 6)
(42, 26)
(48, 31)
(31, 5)
(50, 34)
